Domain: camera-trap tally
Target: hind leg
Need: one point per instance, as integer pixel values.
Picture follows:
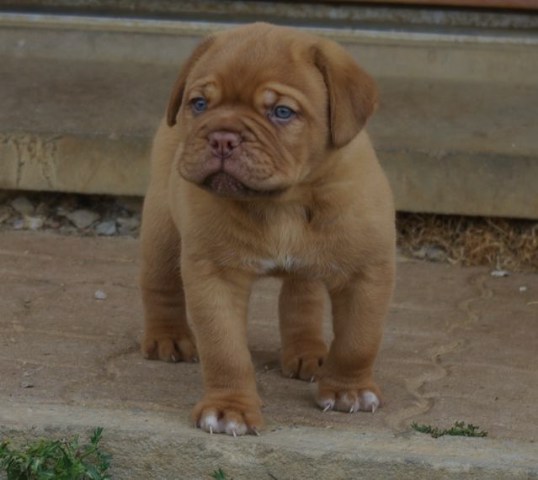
(167, 335)
(301, 306)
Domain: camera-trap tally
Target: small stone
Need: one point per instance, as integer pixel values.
(42, 210)
(500, 273)
(52, 223)
(33, 223)
(67, 205)
(83, 218)
(131, 204)
(431, 253)
(18, 224)
(67, 230)
(107, 228)
(22, 205)
(129, 224)
(523, 288)
(27, 385)
(100, 295)
(5, 213)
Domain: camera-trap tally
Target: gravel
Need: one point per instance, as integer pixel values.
(506, 245)
(70, 214)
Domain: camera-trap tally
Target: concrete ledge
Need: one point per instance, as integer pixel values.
(153, 445)
(96, 164)
(455, 130)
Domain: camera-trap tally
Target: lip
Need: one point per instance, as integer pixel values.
(226, 185)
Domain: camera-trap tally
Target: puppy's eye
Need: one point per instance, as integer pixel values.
(199, 104)
(281, 112)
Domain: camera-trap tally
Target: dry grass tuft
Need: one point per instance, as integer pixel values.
(471, 241)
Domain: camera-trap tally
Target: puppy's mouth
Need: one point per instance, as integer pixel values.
(225, 185)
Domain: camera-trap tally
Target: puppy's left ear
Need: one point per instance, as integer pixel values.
(176, 96)
(352, 92)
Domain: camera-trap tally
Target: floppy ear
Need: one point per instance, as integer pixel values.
(352, 92)
(176, 96)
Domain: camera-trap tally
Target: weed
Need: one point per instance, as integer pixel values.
(458, 430)
(56, 460)
(220, 475)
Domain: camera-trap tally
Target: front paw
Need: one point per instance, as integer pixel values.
(305, 363)
(366, 398)
(228, 413)
(169, 346)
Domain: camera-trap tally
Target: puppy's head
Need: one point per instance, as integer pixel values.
(259, 106)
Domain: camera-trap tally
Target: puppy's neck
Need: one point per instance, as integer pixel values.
(300, 204)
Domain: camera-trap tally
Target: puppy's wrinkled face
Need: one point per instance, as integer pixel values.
(253, 114)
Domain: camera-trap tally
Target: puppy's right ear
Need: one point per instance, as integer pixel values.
(179, 87)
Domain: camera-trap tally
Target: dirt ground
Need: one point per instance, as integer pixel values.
(460, 345)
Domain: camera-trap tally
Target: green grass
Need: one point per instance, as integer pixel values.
(458, 430)
(65, 459)
(220, 475)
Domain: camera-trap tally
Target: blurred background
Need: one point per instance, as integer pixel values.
(84, 83)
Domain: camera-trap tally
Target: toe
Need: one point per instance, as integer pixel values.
(228, 415)
(369, 401)
(209, 422)
(347, 402)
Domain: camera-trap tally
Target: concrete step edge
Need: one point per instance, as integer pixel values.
(203, 27)
(309, 448)
(457, 56)
(470, 183)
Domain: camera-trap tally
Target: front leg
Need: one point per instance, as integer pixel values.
(217, 303)
(359, 308)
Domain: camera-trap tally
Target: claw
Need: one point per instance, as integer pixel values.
(327, 408)
(174, 358)
(255, 430)
(374, 407)
(312, 379)
(234, 433)
(352, 410)
(210, 429)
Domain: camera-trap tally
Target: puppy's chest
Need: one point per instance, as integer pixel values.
(280, 264)
(291, 247)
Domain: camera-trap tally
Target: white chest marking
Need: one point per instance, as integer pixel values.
(288, 263)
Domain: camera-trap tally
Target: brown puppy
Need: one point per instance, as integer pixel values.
(262, 167)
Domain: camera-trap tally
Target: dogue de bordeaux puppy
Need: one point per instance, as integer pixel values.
(262, 166)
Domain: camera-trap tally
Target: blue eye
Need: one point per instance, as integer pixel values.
(199, 104)
(282, 112)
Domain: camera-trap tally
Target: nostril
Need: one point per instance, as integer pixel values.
(222, 143)
(214, 143)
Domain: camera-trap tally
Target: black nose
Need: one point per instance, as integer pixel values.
(222, 143)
